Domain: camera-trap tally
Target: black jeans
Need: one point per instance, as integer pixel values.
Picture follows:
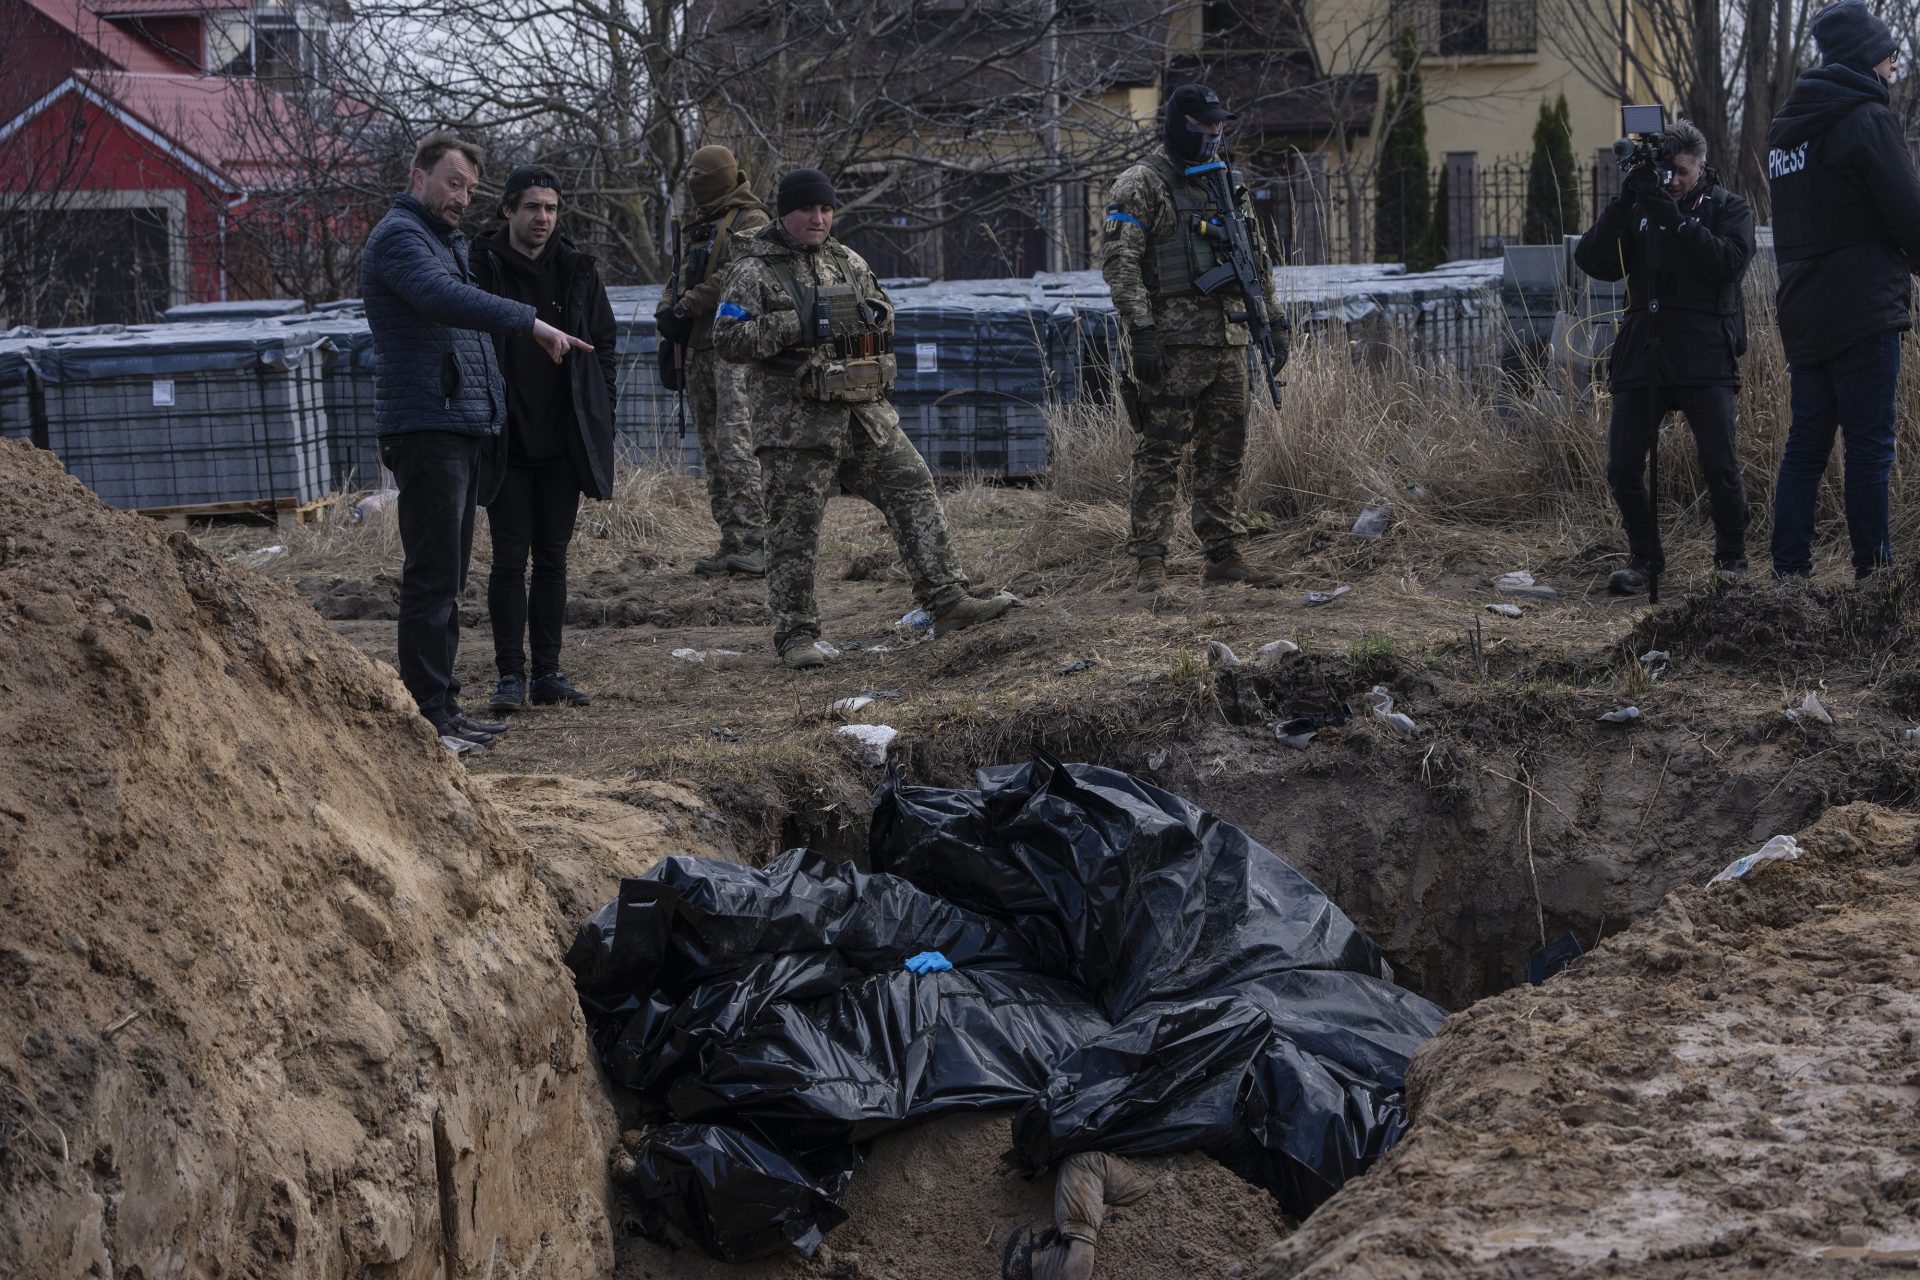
(1709, 411)
(438, 474)
(535, 511)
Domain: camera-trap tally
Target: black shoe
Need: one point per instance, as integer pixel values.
(1731, 570)
(555, 688)
(469, 724)
(451, 726)
(509, 695)
(1632, 580)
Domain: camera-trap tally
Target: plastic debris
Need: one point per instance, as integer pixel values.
(725, 735)
(1074, 668)
(1520, 583)
(1272, 651)
(1655, 661)
(847, 706)
(701, 655)
(372, 505)
(1157, 759)
(874, 739)
(1380, 702)
(1219, 654)
(1553, 958)
(915, 620)
(265, 554)
(1513, 581)
(1326, 597)
(1621, 716)
(1907, 735)
(929, 962)
(1505, 610)
(768, 1023)
(1778, 849)
(1810, 708)
(1373, 521)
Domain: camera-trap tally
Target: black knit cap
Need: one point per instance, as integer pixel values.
(528, 175)
(804, 188)
(1848, 34)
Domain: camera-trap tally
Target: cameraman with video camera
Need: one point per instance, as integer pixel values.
(1682, 242)
(1846, 232)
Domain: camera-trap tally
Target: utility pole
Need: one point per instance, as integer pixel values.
(1056, 224)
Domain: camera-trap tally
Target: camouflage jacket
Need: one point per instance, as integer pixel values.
(702, 296)
(757, 321)
(1146, 220)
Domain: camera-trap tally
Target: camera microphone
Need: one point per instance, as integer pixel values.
(1622, 148)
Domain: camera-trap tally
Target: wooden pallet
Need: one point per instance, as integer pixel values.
(272, 508)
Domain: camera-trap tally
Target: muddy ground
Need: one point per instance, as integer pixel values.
(1512, 815)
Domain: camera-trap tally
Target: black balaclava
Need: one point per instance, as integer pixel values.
(1183, 140)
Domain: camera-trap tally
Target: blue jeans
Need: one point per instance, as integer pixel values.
(1851, 392)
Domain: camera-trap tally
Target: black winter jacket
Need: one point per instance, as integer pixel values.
(1846, 214)
(592, 379)
(1700, 325)
(434, 367)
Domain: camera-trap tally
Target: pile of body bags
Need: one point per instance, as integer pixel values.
(1131, 973)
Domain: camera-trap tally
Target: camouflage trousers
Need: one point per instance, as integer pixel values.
(881, 466)
(1202, 401)
(716, 390)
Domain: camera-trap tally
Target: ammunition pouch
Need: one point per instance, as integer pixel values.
(831, 380)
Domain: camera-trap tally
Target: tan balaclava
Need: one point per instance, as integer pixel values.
(712, 175)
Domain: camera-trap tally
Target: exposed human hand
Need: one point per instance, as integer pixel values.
(556, 343)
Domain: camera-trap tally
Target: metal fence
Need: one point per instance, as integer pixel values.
(1329, 217)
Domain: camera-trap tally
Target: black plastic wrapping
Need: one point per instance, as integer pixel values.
(1130, 972)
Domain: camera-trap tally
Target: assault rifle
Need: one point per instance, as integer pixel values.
(1242, 267)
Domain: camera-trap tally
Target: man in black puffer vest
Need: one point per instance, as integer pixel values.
(1682, 339)
(1846, 231)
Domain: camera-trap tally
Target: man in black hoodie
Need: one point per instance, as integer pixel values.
(558, 442)
(1680, 344)
(1846, 232)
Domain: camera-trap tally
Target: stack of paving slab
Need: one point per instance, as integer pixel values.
(187, 415)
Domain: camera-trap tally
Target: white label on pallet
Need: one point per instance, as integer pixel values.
(163, 393)
(926, 357)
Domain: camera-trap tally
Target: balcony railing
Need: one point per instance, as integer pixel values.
(1474, 28)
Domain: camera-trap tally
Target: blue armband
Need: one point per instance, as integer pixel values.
(731, 311)
(1115, 215)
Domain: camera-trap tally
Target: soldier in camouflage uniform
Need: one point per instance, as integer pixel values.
(1189, 367)
(806, 316)
(726, 211)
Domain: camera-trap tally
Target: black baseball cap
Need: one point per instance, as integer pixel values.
(528, 175)
(1200, 102)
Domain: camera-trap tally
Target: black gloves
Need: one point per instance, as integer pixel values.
(1661, 207)
(675, 326)
(1149, 357)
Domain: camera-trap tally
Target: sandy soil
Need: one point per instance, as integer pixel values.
(1730, 1088)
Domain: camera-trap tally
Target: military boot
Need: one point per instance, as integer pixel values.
(1150, 574)
(802, 653)
(966, 611)
(1233, 567)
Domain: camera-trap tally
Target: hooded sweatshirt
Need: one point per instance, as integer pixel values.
(538, 408)
(1846, 213)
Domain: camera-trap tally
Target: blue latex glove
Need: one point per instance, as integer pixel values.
(929, 962)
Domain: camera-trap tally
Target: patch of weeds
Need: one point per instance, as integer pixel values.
(1188, 669)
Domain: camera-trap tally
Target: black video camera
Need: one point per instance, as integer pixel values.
(1642, 153)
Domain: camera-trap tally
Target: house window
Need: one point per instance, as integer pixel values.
(275, 47)
(1471, 28)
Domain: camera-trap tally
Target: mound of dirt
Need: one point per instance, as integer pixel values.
(1787, 626)
(278, 991)
(1727, 1088)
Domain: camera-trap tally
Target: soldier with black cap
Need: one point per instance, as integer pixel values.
(726, 210)
(558, 443)
(1189, 378)
(813, 327)
(1846, 235)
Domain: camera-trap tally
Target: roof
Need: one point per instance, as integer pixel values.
(129, 53)
(227, 123)
(163, 8)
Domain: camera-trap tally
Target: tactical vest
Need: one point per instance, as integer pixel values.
(709, 244)
(845, 355)
(1175, 263)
